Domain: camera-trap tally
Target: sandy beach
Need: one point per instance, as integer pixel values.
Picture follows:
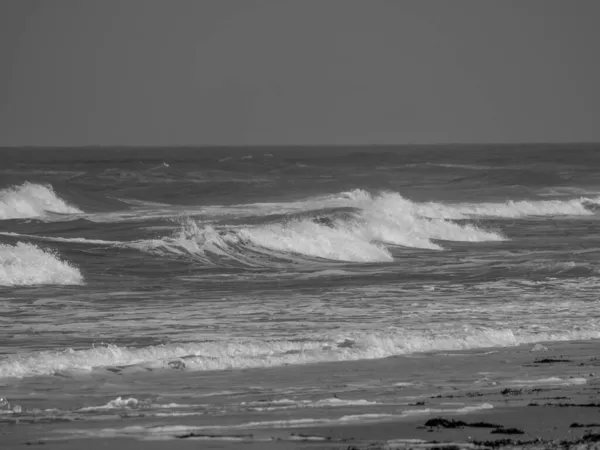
(542, 396)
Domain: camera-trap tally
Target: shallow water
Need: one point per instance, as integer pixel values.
(116, 264)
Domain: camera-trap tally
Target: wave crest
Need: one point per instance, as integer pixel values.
(28, 265)
(32, 200)
(582, 206)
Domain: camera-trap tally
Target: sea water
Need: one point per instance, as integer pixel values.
(153, 279)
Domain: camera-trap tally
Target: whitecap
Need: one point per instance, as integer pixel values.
(27, 265)
(32, 200)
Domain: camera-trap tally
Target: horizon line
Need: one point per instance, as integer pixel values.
(274, 146)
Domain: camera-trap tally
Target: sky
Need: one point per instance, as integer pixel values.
(298, 72)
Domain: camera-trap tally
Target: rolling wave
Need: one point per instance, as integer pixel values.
(28, 265)
(32, 200)
(393, 201)
(363, 236)
(237, 354)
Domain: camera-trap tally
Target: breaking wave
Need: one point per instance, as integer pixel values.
(32, 200)
(352, 227)
(393, 201)
(238, 354)
(28, 265)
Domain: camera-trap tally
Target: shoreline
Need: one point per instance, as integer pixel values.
(534, 398)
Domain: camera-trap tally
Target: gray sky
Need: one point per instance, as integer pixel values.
(204, 72)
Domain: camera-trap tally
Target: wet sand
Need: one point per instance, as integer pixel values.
(489, 398)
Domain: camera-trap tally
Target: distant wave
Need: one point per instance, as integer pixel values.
(76, 240)
(237, 354)
(516, 209)
(582, 206)
(28, 265)
(32, 200)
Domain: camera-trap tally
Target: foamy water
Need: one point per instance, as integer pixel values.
(32, 200)
(28, 265)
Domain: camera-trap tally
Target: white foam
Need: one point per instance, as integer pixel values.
(284, 404)
(552, 381)
(118, 403)
(263, 245)
(396, 220)
(28, 265)
(437, 210)
(134, 403)
(238, 353)
(463, 410)
(32, 200)
(308, 238)
(517, 209)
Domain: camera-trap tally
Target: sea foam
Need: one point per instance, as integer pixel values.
(247, 353)
(32, 200)
(28, 265)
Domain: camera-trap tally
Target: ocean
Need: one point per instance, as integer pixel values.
(169, 290)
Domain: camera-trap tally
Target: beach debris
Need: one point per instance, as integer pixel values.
(574, 405)
(509, 391)
(591, 437)
(6, 406)
(451, 423)
(586, 425)
(550, 360)
(445, 423)
(346, 343)
(507, 431)
(473, 394)
(177, 365)
(215, 436)
(538, 348)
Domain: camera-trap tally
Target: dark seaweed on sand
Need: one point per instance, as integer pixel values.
(451, 423)
(509, 391)
(582, 425)
(507, 431)
(564, 444)
(550, 360)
